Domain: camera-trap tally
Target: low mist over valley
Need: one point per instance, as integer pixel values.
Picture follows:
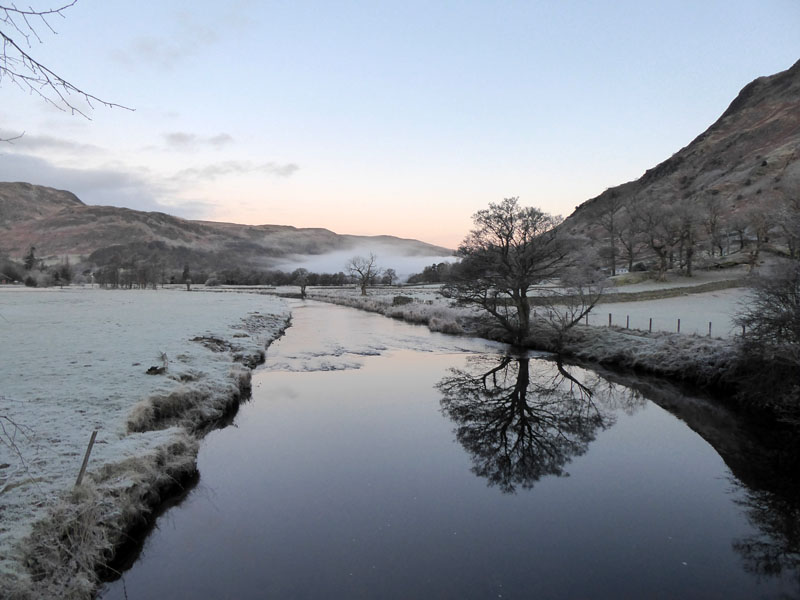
(58, 226)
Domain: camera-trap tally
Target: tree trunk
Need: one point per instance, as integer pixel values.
(613, 252)
(689, 255)
(523, 318)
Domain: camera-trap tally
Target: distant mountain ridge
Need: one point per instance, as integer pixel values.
(57, 223)
(746, 166)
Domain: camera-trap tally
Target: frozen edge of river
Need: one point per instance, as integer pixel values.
(84, 526)
(698, 360)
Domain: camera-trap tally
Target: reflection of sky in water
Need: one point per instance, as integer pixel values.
(355, 483)
(332, 344)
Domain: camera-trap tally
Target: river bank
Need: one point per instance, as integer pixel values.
(710, 363)
(77, 361)
(400, 463)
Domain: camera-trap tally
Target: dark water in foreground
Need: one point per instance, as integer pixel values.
(379, 460)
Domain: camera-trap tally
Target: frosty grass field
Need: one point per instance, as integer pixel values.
(75, 360)
(695, 310)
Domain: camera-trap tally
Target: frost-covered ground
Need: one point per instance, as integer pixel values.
(75, 360)
(695, 310)
(640, 282)
(700, 359)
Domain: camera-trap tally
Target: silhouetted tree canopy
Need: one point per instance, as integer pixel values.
(510, 250)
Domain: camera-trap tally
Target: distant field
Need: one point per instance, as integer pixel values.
(694, 310)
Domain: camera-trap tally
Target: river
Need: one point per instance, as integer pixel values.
(379, 460)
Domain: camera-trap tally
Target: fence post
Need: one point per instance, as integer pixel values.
(709, 329)
(609, 319)
(679, 325)
(587, 318)
(627, 321)
(86, 458)
(651, 325)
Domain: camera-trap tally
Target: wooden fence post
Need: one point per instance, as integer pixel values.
(709, 329)
(627, 321)
(679, 325)
(651, 325)
(609, 319)
(86, 458)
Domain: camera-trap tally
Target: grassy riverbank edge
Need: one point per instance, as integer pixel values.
(712, 364)
(84, 526)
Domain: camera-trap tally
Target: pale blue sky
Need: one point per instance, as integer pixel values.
(382, 117)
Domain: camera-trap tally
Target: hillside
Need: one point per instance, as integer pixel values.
(738, 179)
(57, 223)
(21, 202)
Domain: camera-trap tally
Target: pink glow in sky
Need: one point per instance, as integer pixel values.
(398, 118)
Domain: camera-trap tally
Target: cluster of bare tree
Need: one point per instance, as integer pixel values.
(33, 271)
(675, 233)
(364, 271)
(435, 273)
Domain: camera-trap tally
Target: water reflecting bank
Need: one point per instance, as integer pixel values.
(378, 459)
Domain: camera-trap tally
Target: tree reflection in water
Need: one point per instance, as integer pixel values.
(774, 549)
(519, 425)
(769, 493)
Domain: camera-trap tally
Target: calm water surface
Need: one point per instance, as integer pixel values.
(379, 460)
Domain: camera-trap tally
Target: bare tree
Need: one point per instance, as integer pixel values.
(689, 219)
(511, 249)
(581, 287)
(770, 345)
(662, 230)
(789, 220)
(389, 276)
(19, 27)
(609, 220)
(712, 221)
(629, 234)
(772, 317)
(364, 270)
(760, 218)
(300, 278)
(737, 223)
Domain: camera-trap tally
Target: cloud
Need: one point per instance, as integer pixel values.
(232, 167)
(220, 140)
(188, 141)
(180, 138)
(47, 142)
(188, 38)
(109, 185)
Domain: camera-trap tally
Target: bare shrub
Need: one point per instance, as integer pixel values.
(769, 348)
